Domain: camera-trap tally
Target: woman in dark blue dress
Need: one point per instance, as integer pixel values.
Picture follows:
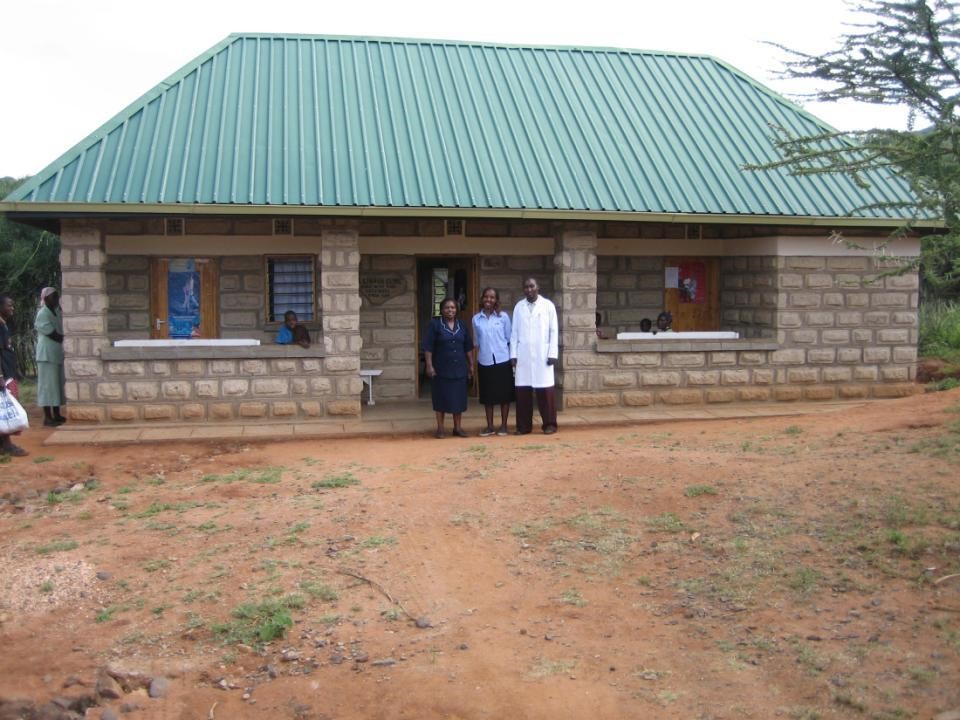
(446, 352)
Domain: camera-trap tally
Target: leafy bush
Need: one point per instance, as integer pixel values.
(940, 330)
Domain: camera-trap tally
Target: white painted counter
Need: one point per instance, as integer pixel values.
(668, 336)
(198, 342)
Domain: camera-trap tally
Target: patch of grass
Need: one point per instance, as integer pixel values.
(319, 590)
(533, 448)
(294, 601)
(698, 490)
(793, 430)
(332, 619)
(255, 623)
(345, 479)
(107, 613)
(375, 541)
(158, 507)
(46, 586)
(155, 565)
(530, 530)
(39, 459)
(263, 476)
(572, 597)
(467, 518)
(666, 522)
(849, 701)
(948, 383)
(391, 615)
(807, 658)
(157, 479)
(546, 668)
(56, 546)
(804, 580)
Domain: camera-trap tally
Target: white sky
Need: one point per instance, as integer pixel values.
(70, 65)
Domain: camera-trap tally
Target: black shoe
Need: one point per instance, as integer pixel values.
(13, 451)
(59, 419)
(549, 431)
(50, 422)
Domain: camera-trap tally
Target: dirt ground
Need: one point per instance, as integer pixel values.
(782, 567)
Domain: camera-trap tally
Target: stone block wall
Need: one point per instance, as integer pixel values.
(128, 288)
(196, 384)
(242, 299)
(749, 296)
(389, 330)
(629, 288)
(838, 321)
(815, 328)
(506, 273)
(217, 389)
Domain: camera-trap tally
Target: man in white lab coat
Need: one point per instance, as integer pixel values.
(534, 352)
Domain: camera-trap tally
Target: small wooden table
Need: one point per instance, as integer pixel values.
(367, 377)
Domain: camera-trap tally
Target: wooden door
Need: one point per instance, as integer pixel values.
(184, 298)
(692, 293)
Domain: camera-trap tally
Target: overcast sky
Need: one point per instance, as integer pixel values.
(70, 65)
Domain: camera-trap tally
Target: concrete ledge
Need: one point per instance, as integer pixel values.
(250, 352)
(620, 346)
(416, 418)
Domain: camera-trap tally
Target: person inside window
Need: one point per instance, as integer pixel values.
(664, 322)
(646, 325)
(292, 332)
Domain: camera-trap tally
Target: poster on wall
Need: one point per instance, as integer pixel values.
(692, 282)
(183, 299)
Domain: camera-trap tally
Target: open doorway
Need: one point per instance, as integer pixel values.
(438, 278)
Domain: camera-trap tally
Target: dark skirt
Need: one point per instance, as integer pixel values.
(496, 383)
(449, 395)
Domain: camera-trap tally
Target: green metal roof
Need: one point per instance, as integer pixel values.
(289, 123)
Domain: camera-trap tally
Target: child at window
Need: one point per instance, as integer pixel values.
(292, 332)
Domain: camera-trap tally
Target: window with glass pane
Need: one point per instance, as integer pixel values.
(290, 282)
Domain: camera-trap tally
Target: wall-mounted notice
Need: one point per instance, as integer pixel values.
(671, 277)
(377, 288)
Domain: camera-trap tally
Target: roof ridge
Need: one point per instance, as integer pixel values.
(470, 43)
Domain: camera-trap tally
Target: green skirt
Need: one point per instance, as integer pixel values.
(50, 384)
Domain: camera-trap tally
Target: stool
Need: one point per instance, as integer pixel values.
(367, 377)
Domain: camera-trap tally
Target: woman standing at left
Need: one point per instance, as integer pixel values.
(446, 352)
(49, 327)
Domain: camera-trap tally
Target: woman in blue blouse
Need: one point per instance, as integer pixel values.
(491, 332)
(446, 351)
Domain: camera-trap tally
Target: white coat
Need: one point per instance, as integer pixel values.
(533, 339)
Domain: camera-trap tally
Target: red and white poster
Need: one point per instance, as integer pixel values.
(692, 282)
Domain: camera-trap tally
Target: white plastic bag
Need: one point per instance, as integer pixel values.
(13, 418)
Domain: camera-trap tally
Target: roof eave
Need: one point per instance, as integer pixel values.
(33, 210)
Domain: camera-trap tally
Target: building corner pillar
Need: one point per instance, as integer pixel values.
(340, 313)
(83, 298)
(575, 290)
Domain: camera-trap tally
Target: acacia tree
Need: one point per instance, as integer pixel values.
(907, 54)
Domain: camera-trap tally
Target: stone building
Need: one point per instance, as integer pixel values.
(358, 181)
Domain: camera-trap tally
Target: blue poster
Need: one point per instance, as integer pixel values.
(183, 299)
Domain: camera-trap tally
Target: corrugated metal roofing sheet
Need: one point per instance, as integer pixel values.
(279, 120)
